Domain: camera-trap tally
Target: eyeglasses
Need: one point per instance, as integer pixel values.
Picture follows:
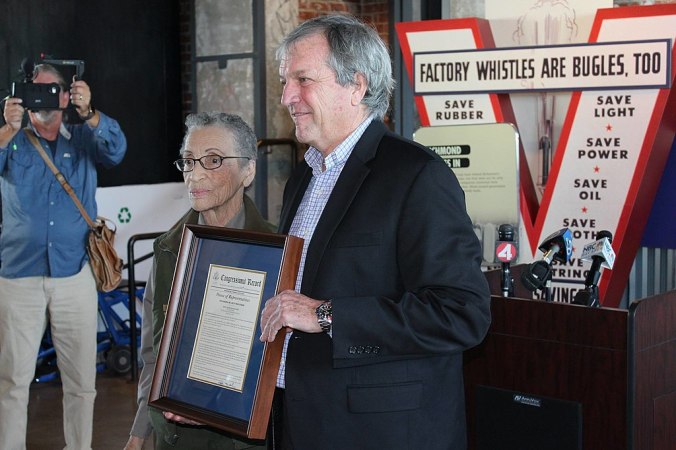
(209, 162)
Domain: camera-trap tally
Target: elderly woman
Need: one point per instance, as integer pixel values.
(218, 161)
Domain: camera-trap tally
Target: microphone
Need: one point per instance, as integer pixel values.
(27, 67)
(506, 251)
(557, 246)
(601, 254)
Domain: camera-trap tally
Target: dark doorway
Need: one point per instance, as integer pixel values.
(132, 64)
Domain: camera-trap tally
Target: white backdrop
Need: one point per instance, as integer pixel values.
(146, 208)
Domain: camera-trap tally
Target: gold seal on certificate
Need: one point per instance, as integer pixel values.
(211, 366)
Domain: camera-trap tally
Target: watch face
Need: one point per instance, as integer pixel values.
(324, 316)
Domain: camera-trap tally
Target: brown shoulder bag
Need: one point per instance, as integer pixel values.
(106, 265)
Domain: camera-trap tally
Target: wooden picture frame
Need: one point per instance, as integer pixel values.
(211, 366)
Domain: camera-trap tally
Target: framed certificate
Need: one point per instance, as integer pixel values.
(211, 366)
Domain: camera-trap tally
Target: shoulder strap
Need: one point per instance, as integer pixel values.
(59, 176)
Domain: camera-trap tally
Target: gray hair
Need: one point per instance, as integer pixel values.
(244, 137)
(354, 47)
(48, 68)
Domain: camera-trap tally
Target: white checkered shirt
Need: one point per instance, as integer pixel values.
(325, 173)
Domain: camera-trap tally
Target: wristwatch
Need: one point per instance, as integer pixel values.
(325, 316)
(89, 114)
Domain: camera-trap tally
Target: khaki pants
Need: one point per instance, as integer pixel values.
(70, 305)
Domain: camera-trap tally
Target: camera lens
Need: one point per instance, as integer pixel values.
(53, 89)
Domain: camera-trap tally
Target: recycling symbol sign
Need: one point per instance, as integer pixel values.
(124, 216)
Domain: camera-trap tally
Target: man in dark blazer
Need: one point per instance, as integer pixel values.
(390, 290)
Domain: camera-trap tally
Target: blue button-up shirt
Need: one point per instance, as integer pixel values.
(43, 232)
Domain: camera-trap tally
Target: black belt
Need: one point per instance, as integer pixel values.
(276, 424)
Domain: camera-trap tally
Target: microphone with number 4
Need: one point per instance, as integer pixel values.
(506, 252)
(557, 246)
(601, 254)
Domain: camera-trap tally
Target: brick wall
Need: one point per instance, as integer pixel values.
(310, 9)
(374, 12)
(377, 13)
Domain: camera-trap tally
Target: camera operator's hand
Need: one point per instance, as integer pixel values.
(13, 113)
(81, 97)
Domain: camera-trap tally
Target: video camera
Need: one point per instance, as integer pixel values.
(41, 96)
(37, 96)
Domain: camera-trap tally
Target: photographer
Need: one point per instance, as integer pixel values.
(45, 273)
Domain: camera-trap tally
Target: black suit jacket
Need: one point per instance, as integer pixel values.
(396, 253)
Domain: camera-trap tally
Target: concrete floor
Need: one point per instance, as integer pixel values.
(114, 412)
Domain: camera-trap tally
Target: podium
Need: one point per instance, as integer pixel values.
(555, 375)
